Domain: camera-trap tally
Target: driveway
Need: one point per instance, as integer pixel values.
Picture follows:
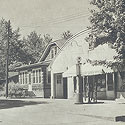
(58, 112)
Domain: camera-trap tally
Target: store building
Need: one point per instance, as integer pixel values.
(63, 69)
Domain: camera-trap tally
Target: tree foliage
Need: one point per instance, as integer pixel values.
(21, 51)
(108, 26)
(34, 45)
(66, 34)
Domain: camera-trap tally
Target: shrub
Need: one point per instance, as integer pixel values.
(2, 90)
(16, 90)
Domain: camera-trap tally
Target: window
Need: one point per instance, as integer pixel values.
(36, 76)
(122, 85)
(101, 82)
(55, 50)
(110, 82)
(25, 77)
(59, 78)
(40, 75)
(29, 78)
(52, 54)
(20, 78)
(33, 76)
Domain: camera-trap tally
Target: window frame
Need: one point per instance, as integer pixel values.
(59, 78)
(37, 76)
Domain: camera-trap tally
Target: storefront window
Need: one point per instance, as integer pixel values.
(100, 82)
(122, 86)
(110, 82)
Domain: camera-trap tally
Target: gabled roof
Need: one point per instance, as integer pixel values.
(59, 43)
(41, 62)
(68, 41)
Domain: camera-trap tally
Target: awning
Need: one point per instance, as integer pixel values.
(87, 69)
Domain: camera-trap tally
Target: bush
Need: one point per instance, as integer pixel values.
(17, 90)
(122, 87)
(2, 90)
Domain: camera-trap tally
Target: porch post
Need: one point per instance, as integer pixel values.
(83, 86)
(88, 89)
(19, 78)
(113, 79)
(30, 77)
(27, 77)
(94, 89)
(106, 79)
(52, 86)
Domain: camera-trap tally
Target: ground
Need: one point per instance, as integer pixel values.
(59, 112)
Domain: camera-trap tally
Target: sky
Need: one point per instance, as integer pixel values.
(46, 16)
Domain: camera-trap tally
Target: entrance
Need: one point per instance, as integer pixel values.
(59, 85)
(65, 88)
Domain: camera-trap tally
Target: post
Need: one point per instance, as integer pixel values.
(79, 93)
(7, 58)
(114, 86)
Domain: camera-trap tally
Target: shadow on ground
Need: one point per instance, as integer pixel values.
(90, 103)
(93, 102)
(98, 117)
(5, 104)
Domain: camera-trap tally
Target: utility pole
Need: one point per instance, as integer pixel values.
(7, 57)
(79, 93)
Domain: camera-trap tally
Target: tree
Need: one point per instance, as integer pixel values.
(3, 44)
(34, 45)
(21, 51)
(47, 39)
(66, 34)
(108, 26)
(16, 53)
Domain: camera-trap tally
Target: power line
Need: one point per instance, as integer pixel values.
(59, 21)
(62, 18)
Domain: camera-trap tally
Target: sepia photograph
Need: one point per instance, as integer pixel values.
(62, 62)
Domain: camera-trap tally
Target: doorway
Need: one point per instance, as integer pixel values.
(59, 85)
